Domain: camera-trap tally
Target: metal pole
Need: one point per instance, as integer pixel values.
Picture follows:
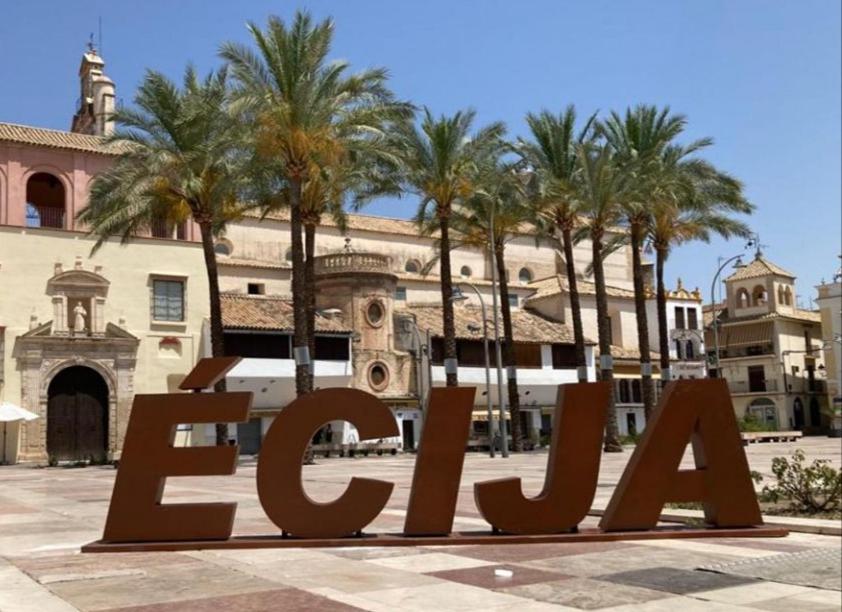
(504, 434)
(491, 427)
(715, 314)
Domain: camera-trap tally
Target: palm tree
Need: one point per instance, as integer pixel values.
(440, 161)
(500, 194)
(698, 200)
(600, 187)
(639, 139)
(180, 163)
(306, 115)
(551, 155)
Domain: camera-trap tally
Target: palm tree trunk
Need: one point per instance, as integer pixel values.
(448, 324)
(575, 302)
(299, 284)
(217, 334)
(310, 284)
(509, 349)
(661, 301)
(647, 385)
(612, 433)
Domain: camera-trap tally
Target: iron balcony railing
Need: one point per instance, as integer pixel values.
(753, 386)
(44, 216)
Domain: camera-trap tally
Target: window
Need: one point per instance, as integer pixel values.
(679, 318)
(564, 356)
(400, 294)
(375, 313)
(378, 376)
(788, 296)
(465, 272)
(160, 229)
(524, 276)
(690, 350)
(692, 319)
(677, 349)
(288, 255)
(756, 379)
(265, 345)
(167, 300)
(758, 295)
(413, 266)
(256, 289)
(222, 248)
(44, 201)
(742, 298)
(332, 348)
(513, 303)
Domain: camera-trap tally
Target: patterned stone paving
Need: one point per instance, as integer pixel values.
(46, 514)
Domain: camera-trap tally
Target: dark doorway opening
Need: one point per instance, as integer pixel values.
(77, 416)
(408, 434)
(249, 437)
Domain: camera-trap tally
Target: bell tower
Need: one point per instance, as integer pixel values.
(96, 97)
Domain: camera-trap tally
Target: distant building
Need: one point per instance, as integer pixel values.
(830, 306)
(769, 349)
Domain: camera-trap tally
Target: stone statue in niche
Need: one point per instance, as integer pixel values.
(79, 314)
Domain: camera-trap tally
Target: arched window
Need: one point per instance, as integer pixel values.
(413, 266)
(689, 350)
(781, 295)
(758, 296)
(678, 349)
(742, 298)
(788, 296)
(525, 276)
(465, 272)
(223, 247)
(45, 201)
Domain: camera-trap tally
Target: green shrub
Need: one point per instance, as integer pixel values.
(810, 489)
(750, 423)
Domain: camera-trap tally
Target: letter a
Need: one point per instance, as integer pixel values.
(572, 469)
(697, 411)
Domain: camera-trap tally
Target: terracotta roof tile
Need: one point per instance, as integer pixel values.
(269, 314)
(56, 139)
(759, 267)
(554, 285)
(235, 262)
(528, 326)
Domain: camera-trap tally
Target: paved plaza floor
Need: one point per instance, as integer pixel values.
(47, 514)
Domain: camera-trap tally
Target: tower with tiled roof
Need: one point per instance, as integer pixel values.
(97, 95)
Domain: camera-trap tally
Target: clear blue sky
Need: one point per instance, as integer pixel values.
(761, 77)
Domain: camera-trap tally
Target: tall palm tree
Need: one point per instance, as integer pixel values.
(500, 193)
(551, 155)
(600, 187)
(695, 201)
(180, 163)
(306, 114)
(639, 139)
(440, 160)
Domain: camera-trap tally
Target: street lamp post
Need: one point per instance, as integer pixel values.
(458, 296)
(504, 434)
(738, 263)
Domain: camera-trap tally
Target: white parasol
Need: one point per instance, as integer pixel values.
(10, 413)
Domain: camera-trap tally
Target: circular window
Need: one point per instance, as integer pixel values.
(524, 276)
(413, 266)
(375, 313)
(378, 376)
(465, 271)
(222, 248)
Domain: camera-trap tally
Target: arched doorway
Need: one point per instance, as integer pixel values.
(77, 415)
(45, 201)
(798, 413)
(815, 413)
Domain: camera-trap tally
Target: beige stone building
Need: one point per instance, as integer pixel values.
(770, 349)
(81, 333)
(829, 301)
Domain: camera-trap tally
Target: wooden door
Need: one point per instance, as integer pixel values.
(77, 416)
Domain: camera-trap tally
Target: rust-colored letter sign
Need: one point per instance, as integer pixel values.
(438, 467)
(697, 411)
(279, 484)
(572, 469)
(136, 513)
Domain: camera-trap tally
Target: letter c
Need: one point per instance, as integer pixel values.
(279, 483)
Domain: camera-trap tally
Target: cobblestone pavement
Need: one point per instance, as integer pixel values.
(47, 514)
